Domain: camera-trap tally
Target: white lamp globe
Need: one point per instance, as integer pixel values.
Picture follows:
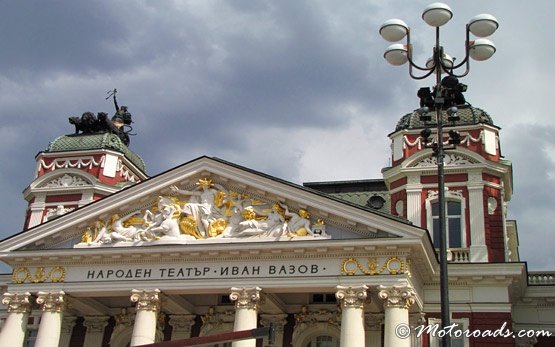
(396, 54)
(483, 25)
(481, 49)
(437, 14)
(393, 30)
(447, 62)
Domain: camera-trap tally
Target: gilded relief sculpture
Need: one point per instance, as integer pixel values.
(209, 212)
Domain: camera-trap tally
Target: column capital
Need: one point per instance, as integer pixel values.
(95, 324)
(51, 301)
(374, 321)
(17, 302)
(68, 322)
(400, 296)
(182, 322)
(352, 297)
(245, 298)
(147, 300)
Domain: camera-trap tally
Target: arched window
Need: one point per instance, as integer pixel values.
(320, 334)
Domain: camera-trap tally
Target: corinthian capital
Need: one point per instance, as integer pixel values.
(352, 297)
(17, 303)
(401, 296)
(147, 300)
(247, 298)
(51, 302)
(95, 324)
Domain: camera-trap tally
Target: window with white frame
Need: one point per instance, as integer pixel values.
(454, 223)
(458, 338)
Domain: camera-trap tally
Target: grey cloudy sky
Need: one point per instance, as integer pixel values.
(295, 89)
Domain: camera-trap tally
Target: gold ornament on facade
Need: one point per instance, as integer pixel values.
(23, 274)
(248, 213)
(205, 182)
(87, 236)
(217, 227)
(39, 275)
(188, 226)
(57, 274)
(393, 265)
(210, 211)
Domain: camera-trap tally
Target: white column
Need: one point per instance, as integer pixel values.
(352, 315)
(181, 325)
(397, 300)
(50, 327)
(279, 321)
(68, 322)
(478, 247)
(15, 326)
(148, 305)
(246, 309)
(95, 330)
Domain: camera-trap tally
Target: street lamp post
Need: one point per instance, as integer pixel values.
(443, 97)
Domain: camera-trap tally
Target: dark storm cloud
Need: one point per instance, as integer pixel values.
(531, 151)
(42, 36)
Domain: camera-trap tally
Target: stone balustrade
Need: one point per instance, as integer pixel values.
(541, 278)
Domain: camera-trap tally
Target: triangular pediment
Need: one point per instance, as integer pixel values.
(209, 200)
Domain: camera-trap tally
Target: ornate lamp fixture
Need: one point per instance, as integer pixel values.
(446, 94)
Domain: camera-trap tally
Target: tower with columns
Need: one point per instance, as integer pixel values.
(78, 169)
(478, 183)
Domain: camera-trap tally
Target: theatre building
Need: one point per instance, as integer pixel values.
(112, 257)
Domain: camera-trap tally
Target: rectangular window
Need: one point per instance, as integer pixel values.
(453, 223)
(324, 298)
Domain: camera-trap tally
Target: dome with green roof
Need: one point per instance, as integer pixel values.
(82, 142)
(468, 115)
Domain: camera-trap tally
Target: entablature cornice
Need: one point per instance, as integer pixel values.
(484, 274)
(220, 252)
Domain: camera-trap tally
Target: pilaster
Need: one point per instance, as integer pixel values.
(37, 210)
(95, 330)
(279, 321)
(181, 325)
(373, 325)
(414, 199)
(68, 322)
(478, 248)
